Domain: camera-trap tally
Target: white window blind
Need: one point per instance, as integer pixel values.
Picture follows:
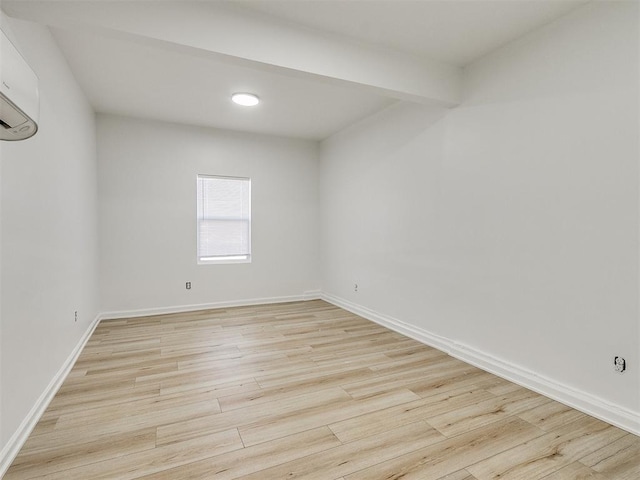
(224, 218)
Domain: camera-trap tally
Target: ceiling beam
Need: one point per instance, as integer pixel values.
(208, 28)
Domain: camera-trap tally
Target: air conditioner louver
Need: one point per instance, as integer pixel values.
(19, 100)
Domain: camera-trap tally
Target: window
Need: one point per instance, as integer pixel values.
(224, 219)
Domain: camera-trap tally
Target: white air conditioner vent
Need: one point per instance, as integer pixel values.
(19, 99)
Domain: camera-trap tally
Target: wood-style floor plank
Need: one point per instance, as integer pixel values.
(446, 457)
(459, 475)
(354, 456)
(302, 390)
(136, 465)
(576, 471)
(36, 463)
(548, 453)
(253, 459)
(620, 459)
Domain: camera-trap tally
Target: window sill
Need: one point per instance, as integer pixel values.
(224, 260)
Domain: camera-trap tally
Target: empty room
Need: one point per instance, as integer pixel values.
(320, 239)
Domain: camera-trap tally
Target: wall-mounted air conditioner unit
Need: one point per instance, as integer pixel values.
(19, 99)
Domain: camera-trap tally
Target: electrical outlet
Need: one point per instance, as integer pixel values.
(188, 285)
(619, 364)
(75, 315)
(355, 287)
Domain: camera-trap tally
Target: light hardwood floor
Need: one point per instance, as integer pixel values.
(302, 390)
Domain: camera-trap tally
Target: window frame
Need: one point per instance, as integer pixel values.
(221, 260)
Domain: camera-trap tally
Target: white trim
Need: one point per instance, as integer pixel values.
(312, 295)
(225, 260)
(146, 312)
(436, 341)
(617, 415)
(19, 437)
(580, 400)
(17, 440)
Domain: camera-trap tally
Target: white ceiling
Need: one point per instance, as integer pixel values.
(318, 66)
(128, 78)
(453, 31)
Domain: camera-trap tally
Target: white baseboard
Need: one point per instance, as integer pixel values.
(312, 295)
(580, 400)
(436, 341)
(17, 440)
(145, 312)
(585, 402)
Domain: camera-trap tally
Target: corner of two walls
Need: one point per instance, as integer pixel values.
(106, 205)
(147, 211)
(505, 230)
(49, 241)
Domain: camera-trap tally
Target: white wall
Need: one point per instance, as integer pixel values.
(507, 226)
(49, 232)
(147, 196)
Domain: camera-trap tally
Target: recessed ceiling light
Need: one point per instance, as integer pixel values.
(245, 99)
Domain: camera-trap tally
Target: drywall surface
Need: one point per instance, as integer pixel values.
(147, 195)
(49, 232)
(509, 225)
